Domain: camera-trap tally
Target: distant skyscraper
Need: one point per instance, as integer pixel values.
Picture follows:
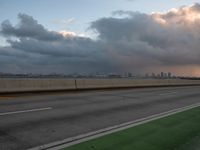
(162, 74)
(169, 75)
(129, 74)
(165, 75)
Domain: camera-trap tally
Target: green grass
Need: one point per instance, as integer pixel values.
(177, 132)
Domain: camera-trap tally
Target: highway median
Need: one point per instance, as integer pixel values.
(179, 131)
(31, 85)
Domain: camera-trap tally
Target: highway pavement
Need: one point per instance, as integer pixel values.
(28, 121)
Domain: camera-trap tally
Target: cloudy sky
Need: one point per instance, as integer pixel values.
(107, 36)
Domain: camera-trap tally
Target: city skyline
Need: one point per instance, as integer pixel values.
(93, 36)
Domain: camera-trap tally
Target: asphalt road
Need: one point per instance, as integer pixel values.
(32, 120)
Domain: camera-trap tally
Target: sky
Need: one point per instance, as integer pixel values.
(107, 36)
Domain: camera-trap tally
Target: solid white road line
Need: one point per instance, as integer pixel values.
(88, 136)
(24, 111)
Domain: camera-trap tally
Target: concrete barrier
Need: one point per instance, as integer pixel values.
(120, 83)
(25, 85)
(34, 85)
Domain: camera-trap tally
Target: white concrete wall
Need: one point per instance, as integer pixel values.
(20, 85)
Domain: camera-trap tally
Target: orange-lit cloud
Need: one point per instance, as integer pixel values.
(67, 33)
(186, 15)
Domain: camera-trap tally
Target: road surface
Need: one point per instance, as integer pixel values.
(28, 121)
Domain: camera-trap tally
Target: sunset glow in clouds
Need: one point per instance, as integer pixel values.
(184, 15)
(126, 42)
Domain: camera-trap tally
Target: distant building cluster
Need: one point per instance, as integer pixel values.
(161, 75)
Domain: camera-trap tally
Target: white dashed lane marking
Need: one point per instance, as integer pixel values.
(24, 111)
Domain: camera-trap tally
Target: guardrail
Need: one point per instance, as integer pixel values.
(33, 85)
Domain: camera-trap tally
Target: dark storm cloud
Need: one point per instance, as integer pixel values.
(34, 48)
(76, 47)
(128, 41)
(28, 27)
(162, 37)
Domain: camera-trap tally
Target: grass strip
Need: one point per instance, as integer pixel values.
(176, 132)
